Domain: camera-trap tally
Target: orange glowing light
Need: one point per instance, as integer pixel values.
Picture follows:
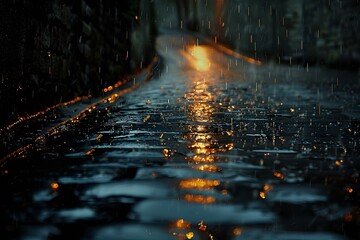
(200, 58)
(200, 159)
(237, 231)
(229, 146)
(207, 168)
(339, 162)
(166, 152)
(203, 137)
(205, 151)
(90, 152)
(200, 145)
(350, 190)
(279, 175)
(189, 235)
(262, 195)
(54, 185)
(199, 199)
(199, 183)
(98, 138)
(268, 188)
(181, 224)
(202, 226)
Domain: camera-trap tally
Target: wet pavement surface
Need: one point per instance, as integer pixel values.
(213, 147)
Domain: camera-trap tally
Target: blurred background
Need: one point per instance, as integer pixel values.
(53, 51)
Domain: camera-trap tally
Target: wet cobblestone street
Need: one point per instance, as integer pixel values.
(212, 147)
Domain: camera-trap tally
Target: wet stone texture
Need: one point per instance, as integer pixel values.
(212, 148)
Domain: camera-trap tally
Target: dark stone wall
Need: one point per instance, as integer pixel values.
(288, 31)
(331, 32)
(52, 51)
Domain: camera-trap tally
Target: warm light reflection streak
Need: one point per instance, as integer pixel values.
(199, 183)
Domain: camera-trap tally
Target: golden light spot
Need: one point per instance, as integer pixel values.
(268, 188)
(98, 138)
(200, 145)
(166, 152)
(202, 137)
(54, 185)
(207, 168)
(148, 101)
(189, 235)
(199, 58)
(199, 183)
(279, 175)
(90, 152)
(202, 226)
(292, 110)
(339, 162)
(199, 199)
(350, 190)
(161, 135)
(229, 146)
(237, 231)
(262, 195)
(199, 159)
(181, 224)
(147, 118)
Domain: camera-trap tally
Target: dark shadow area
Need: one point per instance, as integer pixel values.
(53, 51)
